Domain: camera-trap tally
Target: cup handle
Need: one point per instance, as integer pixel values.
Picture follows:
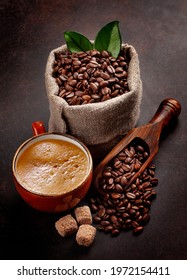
(38, 128)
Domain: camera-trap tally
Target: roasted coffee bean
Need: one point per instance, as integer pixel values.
(118, 164)
(138, 229)
(118, 188)
(105, 223)
(93, 207)
(121, 209)
(95, 97)
(92, 200)
(132, 212)
(147, 203)
(135, 224)
(94, 87)
(146, 193)
(106, 90)
(115, 195)
(105, 54)
(112, 80)
(117, 225)
(109, 211)
(73, 100)
(62, 93)
(104, 75)
(115, 93)
(139, 219)
(79, 93)
(120, 220)
(145, 185)
(137, 214)
(72, 83)
(101, 212)
(130, 195)
(70, 95)
(103, 83)
(113, 219)
(108, 229)
(115, 232)
(145, 210)
(126, 167)
(118, 69)
(107, 174)
(153, 192)
(111, 69)
(123, 180)
(93, 64)
(128, 206)
(100, 228)
(106, 216)
(154, 181)
(145, 217)
(128, 160)
(110, 181)
(75, 62)
(128, 221)
(106, 197)
(140, 148)
(150, 195)
(134, 207)
(145, 154)
(96, 219)
(129, 175)
(137, 164)
(125, 215)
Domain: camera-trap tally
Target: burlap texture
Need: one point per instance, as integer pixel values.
(95, 123)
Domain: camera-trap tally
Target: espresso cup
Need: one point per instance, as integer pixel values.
(52, 172)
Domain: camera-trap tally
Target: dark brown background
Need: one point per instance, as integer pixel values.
(29, 30)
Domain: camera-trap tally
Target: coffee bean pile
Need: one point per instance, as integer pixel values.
(90, 77)
(120, 207)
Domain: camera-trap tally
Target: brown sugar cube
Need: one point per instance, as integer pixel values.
(85, 235)
(66, 225)
(83, 215)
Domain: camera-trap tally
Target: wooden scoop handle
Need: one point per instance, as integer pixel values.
(168, 110)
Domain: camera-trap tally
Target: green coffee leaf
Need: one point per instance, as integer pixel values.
(76, 42)
(109, 39)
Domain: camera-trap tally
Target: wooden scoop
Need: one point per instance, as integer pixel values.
(148, 135)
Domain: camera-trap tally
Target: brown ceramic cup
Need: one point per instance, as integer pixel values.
(58, 202)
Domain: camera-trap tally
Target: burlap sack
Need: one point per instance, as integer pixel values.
(95, 123)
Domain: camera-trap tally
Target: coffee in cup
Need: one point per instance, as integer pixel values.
(52, 172)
